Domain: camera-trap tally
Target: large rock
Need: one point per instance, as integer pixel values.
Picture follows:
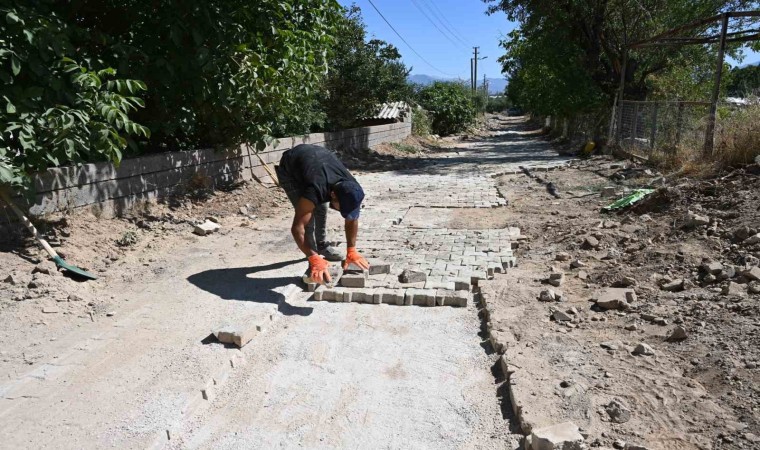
(412, 276)
(614, 298)
(753, 273)
(206, 227)
(694, 220)
(617, 411)
(564, 436)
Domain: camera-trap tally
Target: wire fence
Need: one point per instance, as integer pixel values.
(649, 125)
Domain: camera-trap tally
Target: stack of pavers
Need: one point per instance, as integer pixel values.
(436, 267)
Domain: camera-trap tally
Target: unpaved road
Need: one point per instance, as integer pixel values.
(319, 375)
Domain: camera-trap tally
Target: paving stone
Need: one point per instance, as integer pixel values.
(377, 267)
(420, 297)
(319, 293)
(236, 335)
(450, 285)
(352, 280)
(462, 283)
(445, 297)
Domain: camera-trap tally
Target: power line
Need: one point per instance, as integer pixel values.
(407, 44)
(445, 22)
(434, 24)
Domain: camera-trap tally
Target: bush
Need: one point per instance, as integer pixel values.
(497, 104)
(52, 109)
(362, 74)
(421, 124)
(450, 105)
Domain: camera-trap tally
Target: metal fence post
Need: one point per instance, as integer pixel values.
(654, 126)
(679, 123)
(635, 122)
(710, 131)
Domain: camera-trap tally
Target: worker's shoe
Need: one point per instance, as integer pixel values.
(330, 253)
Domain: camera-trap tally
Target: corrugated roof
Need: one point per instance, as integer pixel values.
(391, 110)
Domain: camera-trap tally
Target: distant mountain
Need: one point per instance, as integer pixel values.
(496, 86)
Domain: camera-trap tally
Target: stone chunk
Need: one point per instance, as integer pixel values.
(732, 288)
(673, 286)
(694, 220)
(206, 228)
(412, 276)
(562, 256)
(678, 334)
(238, 336)
(556, 279)
(11, 279)
(378, 267)
(753, 273)
(713, 267)
(614, 298)
(546, 295)
(643, 349)
(560, 316)
(590, 243)
(617, 411)
(51, 310)
(564, 436)
(752, 240)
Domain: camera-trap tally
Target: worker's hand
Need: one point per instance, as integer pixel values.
(352, 256)
(320, 269)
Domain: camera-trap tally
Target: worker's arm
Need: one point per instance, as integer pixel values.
(318, 266)
(352, 256)
(304, 211)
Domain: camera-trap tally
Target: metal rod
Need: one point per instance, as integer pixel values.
(619, 129)
(653, 133)
(710, 129)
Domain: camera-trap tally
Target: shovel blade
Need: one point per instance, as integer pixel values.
(73, 269)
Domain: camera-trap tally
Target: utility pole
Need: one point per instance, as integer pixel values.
(475, 71)
(472, 74)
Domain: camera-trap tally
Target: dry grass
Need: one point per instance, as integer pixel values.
(737, 142)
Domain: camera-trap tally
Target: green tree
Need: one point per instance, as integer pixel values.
(744, 81)
(362, 74)
(219, 72)
(53, 109)
(450, 104)
(567, 56)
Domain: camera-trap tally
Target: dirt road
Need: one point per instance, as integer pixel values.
(319, 375)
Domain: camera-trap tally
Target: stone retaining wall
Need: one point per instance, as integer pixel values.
(112, 190)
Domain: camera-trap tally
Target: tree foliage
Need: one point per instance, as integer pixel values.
(744, 81)
(219, 72)
(53, 109)
(566, 57)
(211, 73)
(361, 74)
(450, 104)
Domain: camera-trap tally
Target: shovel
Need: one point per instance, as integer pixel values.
(53, 255)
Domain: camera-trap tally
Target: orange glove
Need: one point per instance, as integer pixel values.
(352, 256)
(320, 269)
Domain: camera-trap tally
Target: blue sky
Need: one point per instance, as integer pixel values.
(463, 24)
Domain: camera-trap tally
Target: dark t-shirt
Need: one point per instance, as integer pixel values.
(314, 171)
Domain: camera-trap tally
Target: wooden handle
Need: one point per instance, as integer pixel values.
(29, 225)
(269, 171)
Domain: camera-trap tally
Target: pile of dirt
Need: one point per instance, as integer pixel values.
(690, 252)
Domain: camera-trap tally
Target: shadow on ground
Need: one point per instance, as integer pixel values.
(237, 283)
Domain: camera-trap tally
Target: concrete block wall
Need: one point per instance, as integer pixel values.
(112, 190)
